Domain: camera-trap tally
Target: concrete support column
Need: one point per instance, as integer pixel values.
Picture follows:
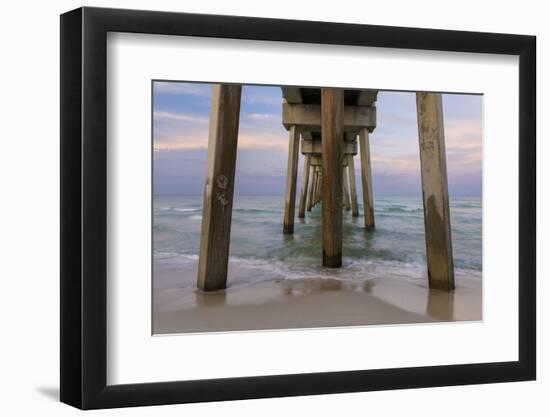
(332, 133)
(437, 219)
(366, 178)
(347, 204)
(353, 187)
(313, 176)
(218, 190)
(303, 192)
(318, 189)
(291, 174)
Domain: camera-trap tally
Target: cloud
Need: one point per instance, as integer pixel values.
(394, 143)
(261, 140)
(402, 165)
(392, 120)
(264, 116)
(175, 130)
(162, 115)
(463, 134)
(183, 88)
(463, 140)
(181, 123)
(180, 142)
(254, 96)
(463, 151)
(251, 140)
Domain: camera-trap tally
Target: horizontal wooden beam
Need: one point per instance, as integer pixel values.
(309, 116)
(292, 95)
(367, 97)
(316, 161)
(350, 134)
(314, 147)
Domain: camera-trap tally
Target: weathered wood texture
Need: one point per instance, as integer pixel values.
(318, 188)
(303, 192)
(291, 174)
(316, 160)
(316, 192)
(332, 128)
(367, 97)
(347, 203)
(366, 178)
(315, 147)
(309, 116)
(292, 94)
(353, 187)
(311, 196)
(437, 219)
(219, 186)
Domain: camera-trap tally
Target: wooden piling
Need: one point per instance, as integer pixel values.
(353, 187)
(332, 131)
(315, 188)
(219, 186)
(313, 179)
(291, 174)
(319, 188)
(303, 191)
(437, 219)
(366, 178)
(316, 192)
(347, 204)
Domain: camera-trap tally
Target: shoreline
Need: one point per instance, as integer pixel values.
(312, 302)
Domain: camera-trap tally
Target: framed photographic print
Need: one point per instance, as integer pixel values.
(258, 208)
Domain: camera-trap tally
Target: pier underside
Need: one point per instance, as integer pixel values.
(329, 127)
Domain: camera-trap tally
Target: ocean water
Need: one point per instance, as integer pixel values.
(260, 251)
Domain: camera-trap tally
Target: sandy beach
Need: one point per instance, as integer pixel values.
(312, 302)
(277, 281)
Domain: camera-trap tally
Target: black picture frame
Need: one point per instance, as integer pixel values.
(84, 207)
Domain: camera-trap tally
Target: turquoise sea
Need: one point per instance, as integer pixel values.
(260, 251)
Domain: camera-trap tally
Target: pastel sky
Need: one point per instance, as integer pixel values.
(180, 137)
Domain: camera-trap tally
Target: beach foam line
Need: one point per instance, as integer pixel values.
(184, 210)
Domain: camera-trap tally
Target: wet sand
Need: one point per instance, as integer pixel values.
(312, 302)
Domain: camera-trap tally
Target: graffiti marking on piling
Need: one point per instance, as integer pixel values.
(222, 181)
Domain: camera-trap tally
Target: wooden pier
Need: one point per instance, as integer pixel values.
(330, 122)
(329, 126)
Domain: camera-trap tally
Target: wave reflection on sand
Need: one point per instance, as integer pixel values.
(276, 281)
(313, 302)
